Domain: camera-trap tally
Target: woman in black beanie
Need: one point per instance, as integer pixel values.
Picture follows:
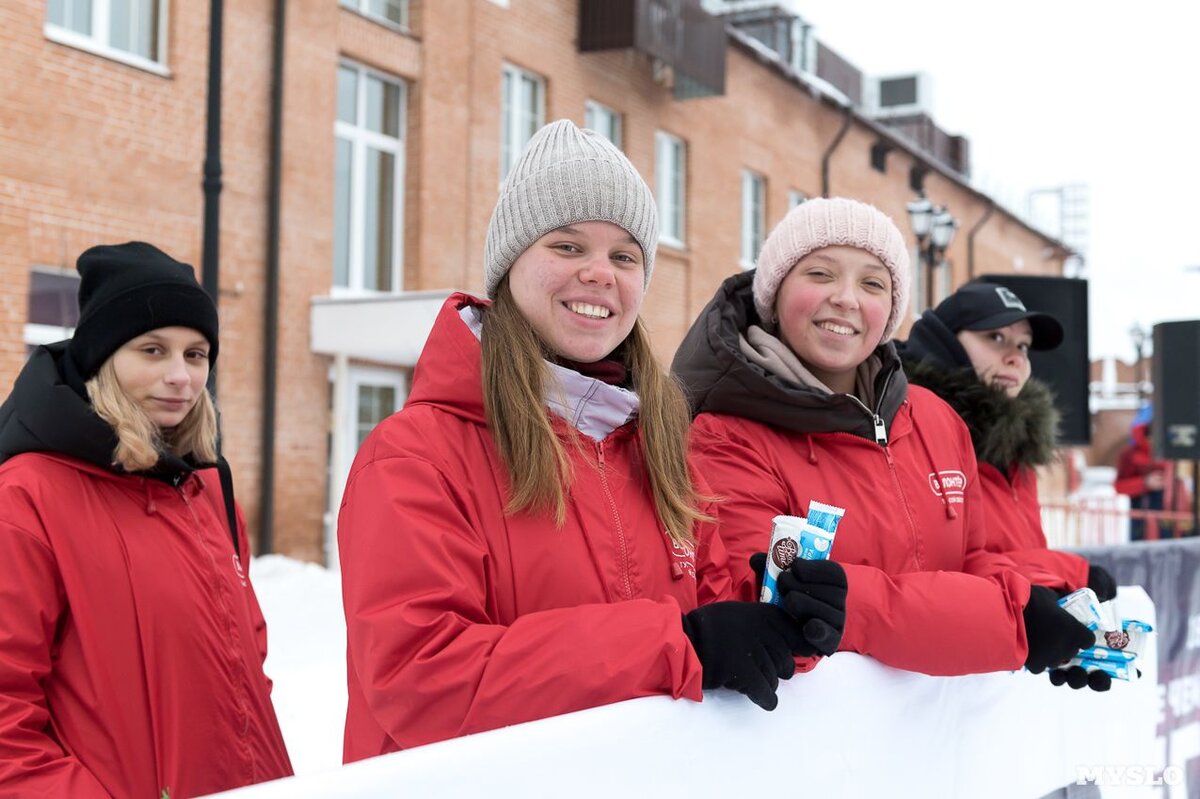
(133, 642)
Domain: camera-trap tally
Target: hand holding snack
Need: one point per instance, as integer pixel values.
(746, 646)
(814, 592)
(1054, 635)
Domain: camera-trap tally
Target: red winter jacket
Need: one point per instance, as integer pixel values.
(1013, 516)
(924, 594)
(131, 643)
(461, 618)
(1011, 436)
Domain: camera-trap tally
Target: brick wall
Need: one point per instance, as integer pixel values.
(96, 151)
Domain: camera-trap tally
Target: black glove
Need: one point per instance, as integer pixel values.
(746, 646)
(1077, 677)
(1101, 582)
(758, 565)
(814, 592)
(1054, 635)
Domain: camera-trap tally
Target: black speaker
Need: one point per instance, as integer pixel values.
(1064, 369)
(1175, 433)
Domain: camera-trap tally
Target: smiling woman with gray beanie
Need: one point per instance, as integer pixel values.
(801, 398)
(525, 538)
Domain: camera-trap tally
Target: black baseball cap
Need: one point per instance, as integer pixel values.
(988, 306)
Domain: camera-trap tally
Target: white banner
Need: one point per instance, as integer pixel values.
(849, 728)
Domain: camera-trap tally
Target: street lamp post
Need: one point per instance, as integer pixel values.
(934, 228)
(1138, 334)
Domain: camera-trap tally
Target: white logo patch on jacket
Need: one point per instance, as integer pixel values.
(683, 559)
(949, 483)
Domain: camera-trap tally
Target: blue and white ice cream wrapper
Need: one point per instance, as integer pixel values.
(820, 528)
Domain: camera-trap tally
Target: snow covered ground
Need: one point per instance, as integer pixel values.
(306, 658)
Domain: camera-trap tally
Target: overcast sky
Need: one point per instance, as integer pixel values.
(1056, 92)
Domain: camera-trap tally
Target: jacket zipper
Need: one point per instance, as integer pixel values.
(612, 506)
(881, 438)
(237, 667)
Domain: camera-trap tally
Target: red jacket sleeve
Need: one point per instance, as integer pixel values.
(32, 763)
(714, 576)
(904, 621)
(1062, 571)
(432, 660)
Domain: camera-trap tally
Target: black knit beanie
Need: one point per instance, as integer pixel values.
(130, 289)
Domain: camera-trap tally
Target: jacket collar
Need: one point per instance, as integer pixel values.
(719, 378)
(591, 406)
(1005, 431)
(48, 411)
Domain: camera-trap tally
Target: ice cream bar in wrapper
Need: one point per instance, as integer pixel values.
(785, 535)
(1118, 670)
(1085, 606)
(1116, 648)
(820, 527)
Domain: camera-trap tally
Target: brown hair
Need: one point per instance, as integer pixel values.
(514, 382)
(139, 440)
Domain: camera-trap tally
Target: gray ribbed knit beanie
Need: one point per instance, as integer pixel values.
(566, 175)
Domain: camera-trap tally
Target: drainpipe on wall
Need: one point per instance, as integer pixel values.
(991, 208)
(211, 251)
(828, 154)
(266, 479)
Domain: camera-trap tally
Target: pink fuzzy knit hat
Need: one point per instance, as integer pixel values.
(830, 222)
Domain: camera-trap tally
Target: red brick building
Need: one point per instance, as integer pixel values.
(397, 119)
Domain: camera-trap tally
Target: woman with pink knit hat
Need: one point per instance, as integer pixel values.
(800, 397)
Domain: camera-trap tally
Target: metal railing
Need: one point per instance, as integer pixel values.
(1090, 521)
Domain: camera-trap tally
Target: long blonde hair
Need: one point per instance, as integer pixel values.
(140, 442)
(514, 382)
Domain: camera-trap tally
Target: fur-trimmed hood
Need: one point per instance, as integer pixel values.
(1005, 431)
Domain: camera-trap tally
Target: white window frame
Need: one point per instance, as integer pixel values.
(754, 216)
(360, 139)
(356, 376)
(360, 7)
(671, 188)
(597, 116)
(796, 197)
(519, 80)
(97, 41)
(372, 377)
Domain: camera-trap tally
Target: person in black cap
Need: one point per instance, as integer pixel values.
(132, 663)
(972, 350)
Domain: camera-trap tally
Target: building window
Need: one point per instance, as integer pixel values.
(669, 166)
(603, 120)
(127, 30)
(375, 403)
(795, 197)
(369, 180)
(522, 112)
(392, 11)
(754, 201)
(53, 310)
(361, 398)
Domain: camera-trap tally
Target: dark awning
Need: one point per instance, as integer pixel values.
(677, 33)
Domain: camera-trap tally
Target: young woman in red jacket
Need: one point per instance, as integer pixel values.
(131, 643)
(801, 397)
(973, 352)
(524, 538)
